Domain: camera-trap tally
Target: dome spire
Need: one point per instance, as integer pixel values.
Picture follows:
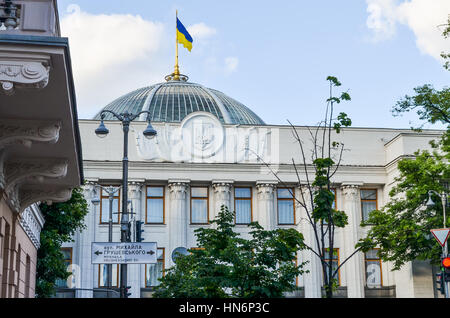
(176, 75)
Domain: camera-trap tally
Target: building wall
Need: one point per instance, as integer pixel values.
(18, 257)
(369, 162)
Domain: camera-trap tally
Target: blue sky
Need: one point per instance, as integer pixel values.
(272, 56)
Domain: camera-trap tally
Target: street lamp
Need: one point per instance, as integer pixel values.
(126, 118)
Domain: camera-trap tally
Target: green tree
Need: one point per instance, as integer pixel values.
(228, 265)
(316, 195)
(401, 229)
(62, 220)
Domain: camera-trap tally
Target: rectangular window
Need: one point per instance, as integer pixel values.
(103, 275)
(368, 202)
(334, 263)
(104, 207)
(199, 205)
(155, 271)
(333, 205)
(67, 252)
(155, 205)
(285, 203)
(373, 269)
(243, 205)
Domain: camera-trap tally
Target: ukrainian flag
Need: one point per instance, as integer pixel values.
(183, 36)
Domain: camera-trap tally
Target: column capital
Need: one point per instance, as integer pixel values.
(178, 189)
(265, 190)
(134, 189)
(260, 184)
(91, 190)
(222, 185)
(222, 190)
(351, 188)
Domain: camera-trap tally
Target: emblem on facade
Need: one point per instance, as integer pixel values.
(202, 134)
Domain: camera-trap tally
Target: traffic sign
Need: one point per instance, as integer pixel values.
(123, 253)
(441, 235)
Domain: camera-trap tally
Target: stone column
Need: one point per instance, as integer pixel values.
(178, 215)
(86, 237)
(312, 280)
(266, 213)
(222, 196)
(354, 273)
(135, 189)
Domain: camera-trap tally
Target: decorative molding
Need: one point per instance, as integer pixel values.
(265, 190)
(178, 190)
(30, 196)
(134, 190)
(18, 170)
(31, 170)
(14, 131)
(22, 74)
(32, 222)
(222, 190)
(91, 190)
(351, 190)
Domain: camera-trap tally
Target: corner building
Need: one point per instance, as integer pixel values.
(208, 152)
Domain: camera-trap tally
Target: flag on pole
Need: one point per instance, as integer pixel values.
(183, 36)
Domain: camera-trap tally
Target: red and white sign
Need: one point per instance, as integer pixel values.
(441, 235)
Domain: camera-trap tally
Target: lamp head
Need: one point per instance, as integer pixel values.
(149, 132)
(430, 203)
(101, 131)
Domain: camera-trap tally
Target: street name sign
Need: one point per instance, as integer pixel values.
(441, 235)
(124, 253)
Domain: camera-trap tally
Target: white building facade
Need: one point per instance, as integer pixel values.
(211, 150)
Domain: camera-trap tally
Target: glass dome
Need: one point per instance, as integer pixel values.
(173, 100)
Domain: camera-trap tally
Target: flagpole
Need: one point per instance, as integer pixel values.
(177, 69)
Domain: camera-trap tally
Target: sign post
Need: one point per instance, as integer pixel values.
(124, 253)
(441, 235)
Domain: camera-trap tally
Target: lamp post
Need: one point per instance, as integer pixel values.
(430, 203)
(126, 118)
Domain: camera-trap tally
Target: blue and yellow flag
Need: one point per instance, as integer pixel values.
(183, 36)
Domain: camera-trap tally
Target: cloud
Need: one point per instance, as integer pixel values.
(201, 31)
(231, 64)
(382, 18)
(108, 54)
(422, 16)
(114, 54)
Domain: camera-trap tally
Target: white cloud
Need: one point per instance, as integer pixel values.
(201, 31)
(108, 55)
(231, 64)
(422, 16)
(114, 54)
(382, 18)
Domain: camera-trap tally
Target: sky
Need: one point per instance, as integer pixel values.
(272, 56)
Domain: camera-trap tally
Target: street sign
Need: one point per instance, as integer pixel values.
(123, 253)
(441, 235)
